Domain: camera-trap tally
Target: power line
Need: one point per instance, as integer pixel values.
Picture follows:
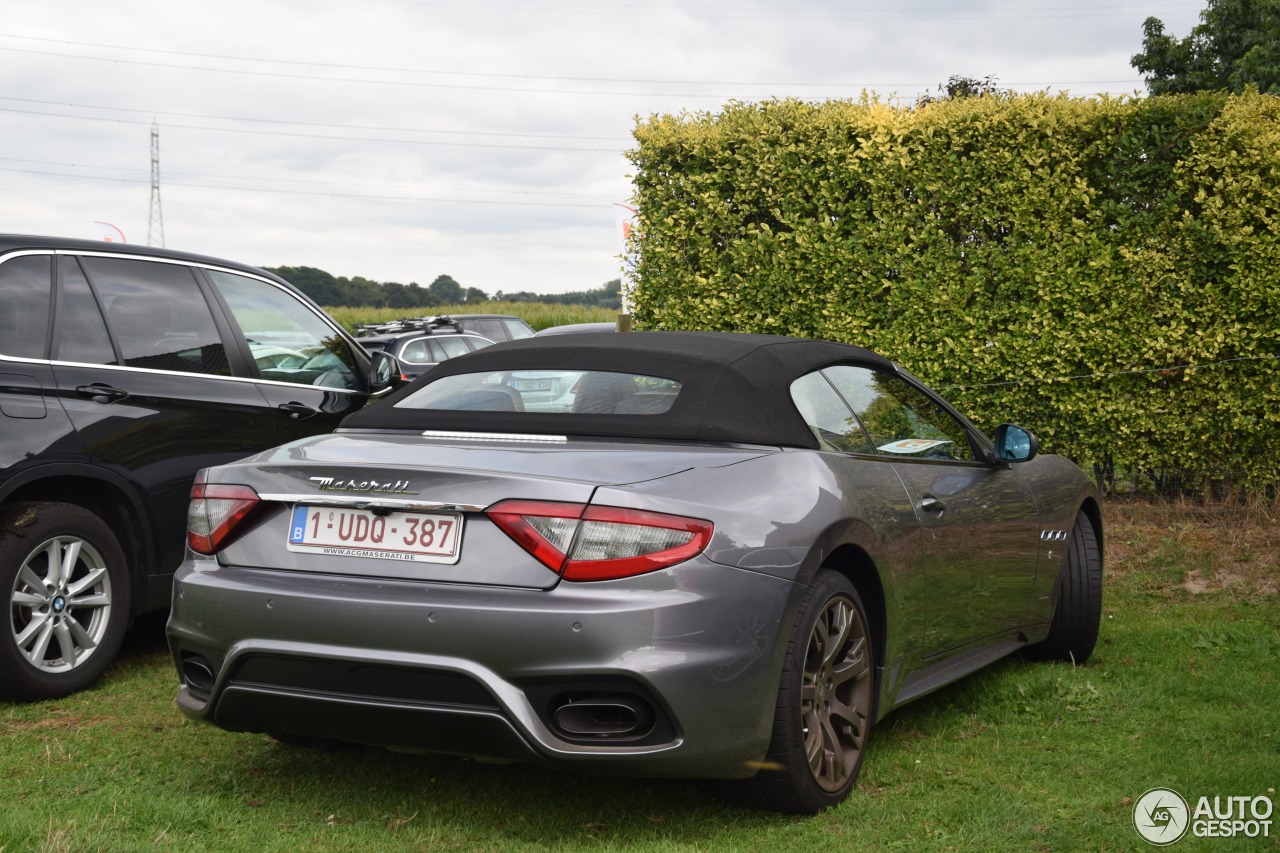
(438, 72)
(1111, 374)
(853, 86)
(361, 182)
(331, 137)
(358, 196)
(378, 128)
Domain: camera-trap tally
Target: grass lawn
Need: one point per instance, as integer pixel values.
(1183, 692)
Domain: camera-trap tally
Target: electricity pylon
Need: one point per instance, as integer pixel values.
(155, 220)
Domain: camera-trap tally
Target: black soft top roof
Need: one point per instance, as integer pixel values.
(736, 387)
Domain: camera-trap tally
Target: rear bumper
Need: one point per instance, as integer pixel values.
(683, 662)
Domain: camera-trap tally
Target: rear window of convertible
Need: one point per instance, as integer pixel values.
(547, 392)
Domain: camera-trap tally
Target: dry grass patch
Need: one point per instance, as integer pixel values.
(1196, 550)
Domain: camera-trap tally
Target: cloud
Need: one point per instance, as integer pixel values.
(402, 139)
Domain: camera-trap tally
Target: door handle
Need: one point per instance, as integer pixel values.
(102, 393)
(297, 411)
(932, 504)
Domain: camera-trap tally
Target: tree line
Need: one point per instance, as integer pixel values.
(340, 291)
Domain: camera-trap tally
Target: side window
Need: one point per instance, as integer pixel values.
(82, 333)
(900, 420)
(415, 352)
(25, 284)
(158, 315)
(452, 346)
(478, 343)
(491, 329)
(516, 330)
(827, 415)
(289, 341)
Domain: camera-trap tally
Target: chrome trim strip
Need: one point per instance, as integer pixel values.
(128, 369)
(361, 502)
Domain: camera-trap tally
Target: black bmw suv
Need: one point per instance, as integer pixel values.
(123, 371)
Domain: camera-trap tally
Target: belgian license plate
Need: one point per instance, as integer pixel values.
(531, 384)
(426, 537)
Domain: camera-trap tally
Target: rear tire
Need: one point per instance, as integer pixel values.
(66, 593)
(825, 706)
(1078, 612)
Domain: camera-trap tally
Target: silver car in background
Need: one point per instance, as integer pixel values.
(723, 556)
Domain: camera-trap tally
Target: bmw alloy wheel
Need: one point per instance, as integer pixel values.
(60, 605)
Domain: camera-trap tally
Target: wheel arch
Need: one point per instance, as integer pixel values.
(849, 548)
(106, 496)
(857, 566)
(1091, 510)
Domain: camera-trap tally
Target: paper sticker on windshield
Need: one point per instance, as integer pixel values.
(912, 445)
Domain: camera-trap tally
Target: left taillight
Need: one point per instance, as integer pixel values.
(216, 509)
(583, 542)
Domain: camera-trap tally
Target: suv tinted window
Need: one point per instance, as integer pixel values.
(158, 314)
(24, 295)
(82, 333)
(415, 352)
(452, 347)
(491, 329)
(517, 330)
(288, 341)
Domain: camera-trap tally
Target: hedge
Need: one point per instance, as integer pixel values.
(1106, 272)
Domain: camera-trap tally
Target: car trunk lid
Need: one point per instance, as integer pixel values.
(410, 507)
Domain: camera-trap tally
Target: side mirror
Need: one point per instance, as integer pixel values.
(1015, 444)
(384, 371)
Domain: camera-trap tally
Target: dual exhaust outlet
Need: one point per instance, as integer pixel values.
(603, 716)
(576, 717)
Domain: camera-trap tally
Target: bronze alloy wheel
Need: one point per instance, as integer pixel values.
(825, 705)
(835, 697)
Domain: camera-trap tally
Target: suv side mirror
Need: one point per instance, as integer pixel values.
(384, 371)
(1015, 444)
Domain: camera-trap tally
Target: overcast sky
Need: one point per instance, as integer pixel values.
(403, 139)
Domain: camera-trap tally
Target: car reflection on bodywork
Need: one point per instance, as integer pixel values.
(720, 556)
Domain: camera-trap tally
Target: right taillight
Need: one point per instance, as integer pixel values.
(216, 509)
(583, 542)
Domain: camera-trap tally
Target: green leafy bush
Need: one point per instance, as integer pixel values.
(1105, 271)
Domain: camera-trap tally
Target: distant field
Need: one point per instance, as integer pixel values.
(540, 315)
(1182, 693)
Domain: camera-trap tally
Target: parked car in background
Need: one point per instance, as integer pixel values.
(727, 558)
(420, 344)
(575, 328)
(495, 327)
(123, 371)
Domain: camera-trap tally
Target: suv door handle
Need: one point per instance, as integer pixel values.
(100, 392)
(932, 504)
(297, 411)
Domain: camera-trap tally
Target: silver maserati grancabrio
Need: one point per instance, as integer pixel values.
(677, 554)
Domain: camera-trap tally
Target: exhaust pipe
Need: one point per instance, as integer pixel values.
(198, 675)
(604, 716)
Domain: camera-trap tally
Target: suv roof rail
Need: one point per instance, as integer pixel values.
(438, 323)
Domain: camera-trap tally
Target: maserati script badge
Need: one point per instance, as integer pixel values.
(395, 487)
